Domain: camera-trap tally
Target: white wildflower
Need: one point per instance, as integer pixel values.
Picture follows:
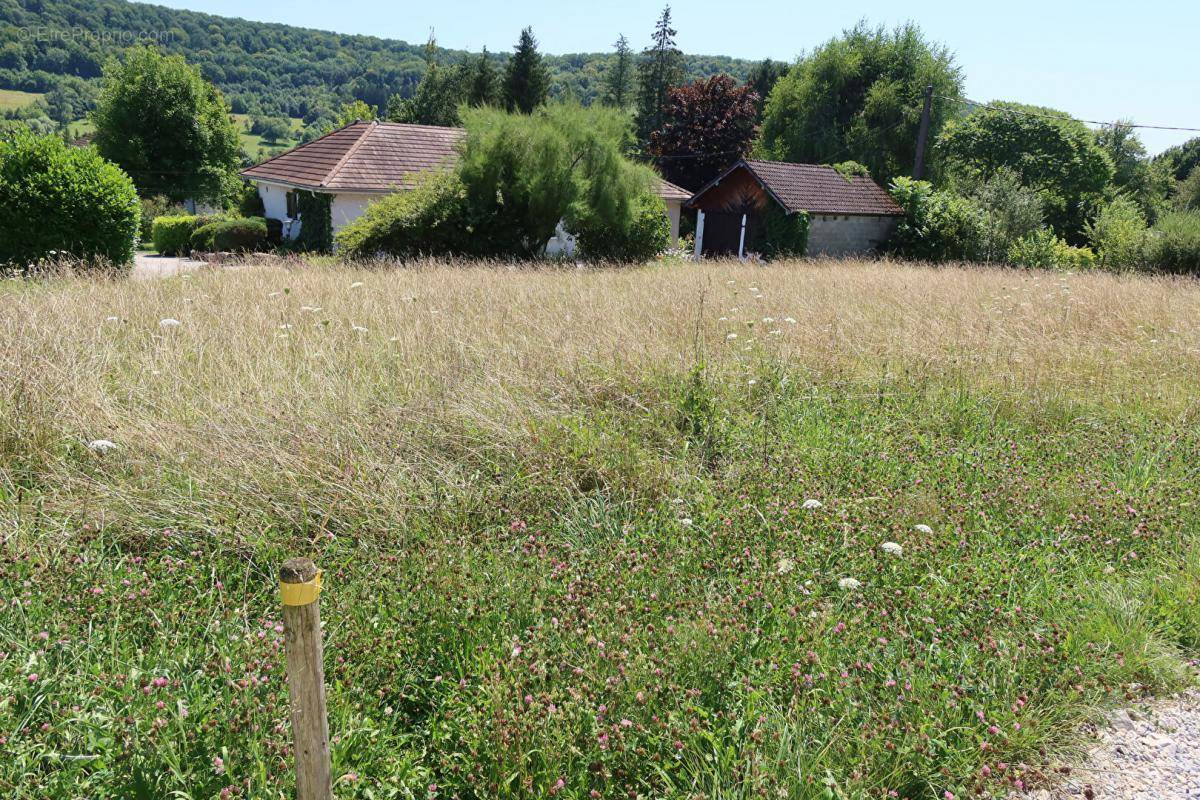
(274, 294)
(101, 446)
(849, 584)
(356, 285)
(358, 329)
(112, 319)
(892, 548)
(768, 320)
(789, 320)
(310, 309)
(784, 566)
(169, 323)
(685, 522)
(287, 326)
(731, 336)
(923, 529)
(751, 382)
(812, 504)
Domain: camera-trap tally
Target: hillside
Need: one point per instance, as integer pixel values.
(263, 68)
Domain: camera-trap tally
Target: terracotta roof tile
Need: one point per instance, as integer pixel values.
(819, 189)
(669, 191)
(363, 156)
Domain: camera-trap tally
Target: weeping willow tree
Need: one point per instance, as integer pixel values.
(522, 174)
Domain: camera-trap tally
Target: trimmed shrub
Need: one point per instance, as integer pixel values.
(937, 226)
(648, 234)
(1175, 246)
(239, 234)
(428, 220)
(62, 201)
(172, 236)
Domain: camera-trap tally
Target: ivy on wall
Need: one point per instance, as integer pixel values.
(316, 221)
(781, 235)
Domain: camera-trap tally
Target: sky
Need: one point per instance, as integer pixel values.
(1096, 59)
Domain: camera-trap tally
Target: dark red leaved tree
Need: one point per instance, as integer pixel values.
(707, 125)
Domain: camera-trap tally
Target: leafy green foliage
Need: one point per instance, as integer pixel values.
(860, 97)
(237, 234)
(429, 219)
(644, 234)
(441, 91)
(1119, 235)
(526, 79)
(315, 211)
(1045, 250)
(762, 80)
(153, 207)
(167, 127)
(706, 126)
(1182, 159)
(1008, 212)
(63, 202)
(779, 234)
(1187, 192)
(937, 225)
(1176, 243)
(1135, 175)
(1048, 151)
(660, 68)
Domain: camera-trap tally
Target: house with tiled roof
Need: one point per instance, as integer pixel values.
(847, 215)
(363, 161)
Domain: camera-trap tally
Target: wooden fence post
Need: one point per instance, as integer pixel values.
(300, 585)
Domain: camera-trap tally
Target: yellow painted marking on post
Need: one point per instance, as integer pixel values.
(301, 594)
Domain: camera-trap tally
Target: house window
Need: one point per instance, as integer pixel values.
(291, 205)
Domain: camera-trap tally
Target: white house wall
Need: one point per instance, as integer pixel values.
(348, 207)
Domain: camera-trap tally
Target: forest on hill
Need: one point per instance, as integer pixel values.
(59, 47)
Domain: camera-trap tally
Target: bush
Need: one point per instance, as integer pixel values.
(781, 235)
(58, 200)
(1119, 236)
(1175, 245)
(249, 201)
(1043, 249)
(239, 234)
(647, 234)
(424, 221)
(173, 235)
(937, 226)
(1008, 212)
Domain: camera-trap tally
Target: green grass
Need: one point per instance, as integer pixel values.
(252, 144)
(564, 531)
(12, 99)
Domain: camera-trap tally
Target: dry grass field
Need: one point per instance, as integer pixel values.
(564, 519)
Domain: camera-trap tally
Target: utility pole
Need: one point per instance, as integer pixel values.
(923, 134)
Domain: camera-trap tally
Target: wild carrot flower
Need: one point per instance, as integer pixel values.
(813, 504)
(169, 322)
(849, 584)
(923, 529)
(784, 566)
(101, 446)
(892, 548)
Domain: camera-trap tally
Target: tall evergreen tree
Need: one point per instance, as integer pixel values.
(660, 69)
(526, 79)
(483, 82)
(762, 80)
(618, 83)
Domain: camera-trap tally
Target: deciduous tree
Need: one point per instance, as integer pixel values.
(859, 97)
(167, 127)
(706, 126)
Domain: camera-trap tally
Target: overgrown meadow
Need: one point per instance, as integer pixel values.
(813, 530)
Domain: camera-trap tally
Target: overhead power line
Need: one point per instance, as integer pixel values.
(1064, 116)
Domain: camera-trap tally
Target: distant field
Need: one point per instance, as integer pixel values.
(11, 98)
(593, 533)
(252, 143)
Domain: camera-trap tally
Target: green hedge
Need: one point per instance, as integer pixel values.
(231, 235)
(59, 201)
(428, 220)
(781, 235)
(172, 236)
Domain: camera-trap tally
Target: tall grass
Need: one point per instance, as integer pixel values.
(563, 518)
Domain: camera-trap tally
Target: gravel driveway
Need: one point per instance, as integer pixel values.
(152, 265)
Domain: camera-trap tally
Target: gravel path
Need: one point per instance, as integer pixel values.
(1150, 753)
